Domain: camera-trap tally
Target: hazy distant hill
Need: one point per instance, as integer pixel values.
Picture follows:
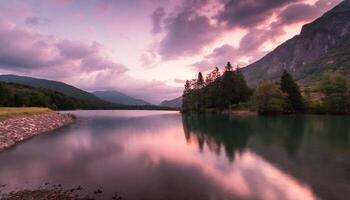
(119, 98)
(50, 85)
(322, 45)
(174, 103)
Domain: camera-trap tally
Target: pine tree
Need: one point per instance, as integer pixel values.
(228, 67)
(216, 73)
(233, 88)
(212, 76)
(187, 87)
(293, 101)
(200, 81)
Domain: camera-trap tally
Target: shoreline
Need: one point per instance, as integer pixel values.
(44, 194)
(16, 129)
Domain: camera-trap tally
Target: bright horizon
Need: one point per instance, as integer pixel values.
(144, 48)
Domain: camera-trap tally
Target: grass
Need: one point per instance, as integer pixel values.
(7, 112)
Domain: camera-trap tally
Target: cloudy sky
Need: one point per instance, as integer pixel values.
(144, 48)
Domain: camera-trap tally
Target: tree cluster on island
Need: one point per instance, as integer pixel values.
(230, 91)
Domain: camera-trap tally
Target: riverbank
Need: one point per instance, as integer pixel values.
(44, 194)
(19, 124)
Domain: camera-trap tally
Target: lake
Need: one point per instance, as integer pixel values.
(152, 155)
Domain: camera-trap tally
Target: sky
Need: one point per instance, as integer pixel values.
(144, 48)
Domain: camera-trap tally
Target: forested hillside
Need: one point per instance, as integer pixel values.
(16, 95)
(60, 87)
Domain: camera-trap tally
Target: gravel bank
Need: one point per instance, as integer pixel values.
(16, 129)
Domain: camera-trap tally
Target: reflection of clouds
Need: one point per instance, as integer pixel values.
(143, 155)
(249, 176)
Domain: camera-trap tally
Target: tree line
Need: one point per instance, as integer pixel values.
(216, 91)
(230, 91)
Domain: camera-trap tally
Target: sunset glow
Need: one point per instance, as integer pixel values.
(144, 48)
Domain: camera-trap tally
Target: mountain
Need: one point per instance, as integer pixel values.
(322, 45)
(119, 98)
(17, 95)
(174, 103)
(50, 85)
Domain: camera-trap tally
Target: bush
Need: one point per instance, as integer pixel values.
(336, 93)
(268, 98)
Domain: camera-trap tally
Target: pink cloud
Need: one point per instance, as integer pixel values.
(259, 15)
(82, 64)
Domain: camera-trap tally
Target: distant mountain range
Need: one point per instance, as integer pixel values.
(323, 45)
(119, 98)
(173, 103)
(101, 97)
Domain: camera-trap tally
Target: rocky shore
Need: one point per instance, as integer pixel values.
(16, 129)
(44, 194)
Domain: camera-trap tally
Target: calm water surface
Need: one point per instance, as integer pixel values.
(165, 155)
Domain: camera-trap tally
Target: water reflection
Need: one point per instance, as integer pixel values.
(313, 149)
(165, 155)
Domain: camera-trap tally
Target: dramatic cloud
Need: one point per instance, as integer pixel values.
(157, 17)
(217, 58)
(249, 13)
(75, 50)
(302, 12)
(187, 31)
(252, 14)
(22, 48)
(26, 49)
(27, 52)
(96, 63)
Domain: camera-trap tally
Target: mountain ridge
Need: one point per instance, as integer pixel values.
(172, 103)
(117, 97)
(315, 41)
(58, 86)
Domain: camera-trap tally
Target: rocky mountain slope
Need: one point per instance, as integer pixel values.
(321, 46)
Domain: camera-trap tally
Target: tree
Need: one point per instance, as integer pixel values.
(336, 93)
(218, 92)
(3, 94)
(187, 87)
(228, 67)
(233, 88)
(293, 101)
(268, 98)
(200, 81)
(212, 76)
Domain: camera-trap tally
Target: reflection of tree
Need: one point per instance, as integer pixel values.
(288, 132)
(285, 131)
(336, 131)
(217, 131)
(233, 133)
